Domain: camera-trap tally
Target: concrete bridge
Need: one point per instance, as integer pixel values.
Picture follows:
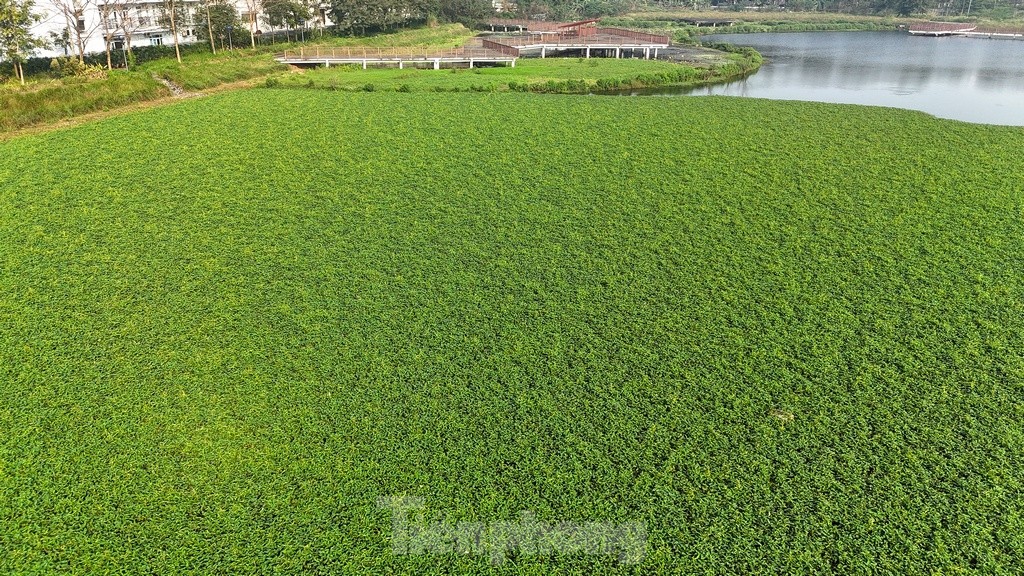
(584, 38)
(400, 57)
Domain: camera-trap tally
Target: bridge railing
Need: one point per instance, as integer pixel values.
(612, 36)
(499, 47)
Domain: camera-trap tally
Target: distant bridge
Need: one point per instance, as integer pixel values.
(962, 29)
(939, 28)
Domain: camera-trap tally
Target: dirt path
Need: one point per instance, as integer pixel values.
(175, 89)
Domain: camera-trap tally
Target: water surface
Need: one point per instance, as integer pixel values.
(970, 79)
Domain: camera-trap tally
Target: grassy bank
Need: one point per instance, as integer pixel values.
(787, 337)
(46, 100)
(754, 17)
(788, 26)
(51, 101)
(675, 23)
(205, 70)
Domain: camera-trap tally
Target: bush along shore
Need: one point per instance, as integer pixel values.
(548, 76)
(742, 61)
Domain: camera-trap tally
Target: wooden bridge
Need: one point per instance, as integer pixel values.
(939, 28)
(961, 29)
(584, 39)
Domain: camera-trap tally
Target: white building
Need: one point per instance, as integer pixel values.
(140, 22)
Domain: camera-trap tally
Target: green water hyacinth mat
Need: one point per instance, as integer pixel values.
(759, 337)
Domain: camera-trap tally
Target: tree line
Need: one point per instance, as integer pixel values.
(996, 9)
(219, 22)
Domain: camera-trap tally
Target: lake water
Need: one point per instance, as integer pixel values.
(970, 79)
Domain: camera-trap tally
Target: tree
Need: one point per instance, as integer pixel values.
(254, 7)
(360, 14)
(128, 22)
(285, 13)
(317, 11)
(106, 12)
(16, 40)
(62, 40)
(908, 7)
(350, 14)
(73, 12)
(172, 14)
(466, 11)
(218, 19)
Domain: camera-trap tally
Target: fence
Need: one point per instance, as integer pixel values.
(610, 36)
(502, 48)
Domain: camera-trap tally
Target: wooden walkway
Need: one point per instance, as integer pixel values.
(939, 29)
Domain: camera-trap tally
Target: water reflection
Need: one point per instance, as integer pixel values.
(971, 79)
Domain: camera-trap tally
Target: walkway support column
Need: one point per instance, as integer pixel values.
(617, 50)
(437, 63)
(588, 51)
(543, 51)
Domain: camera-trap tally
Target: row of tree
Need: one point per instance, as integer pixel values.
(219, 20)
(122, 19)
(213, 21)
(998, 9)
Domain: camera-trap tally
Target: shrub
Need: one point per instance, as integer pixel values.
(68, 67)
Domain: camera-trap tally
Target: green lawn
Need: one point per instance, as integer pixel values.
(787, 337)
(443, 36)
